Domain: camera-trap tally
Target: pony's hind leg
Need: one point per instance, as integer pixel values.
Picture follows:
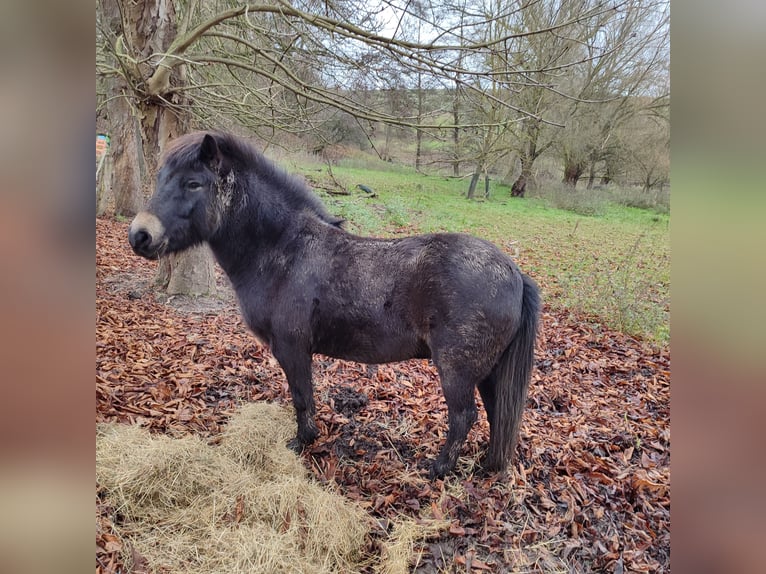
(488, 392)
(461, 405)
(489, 398)
(297, 367)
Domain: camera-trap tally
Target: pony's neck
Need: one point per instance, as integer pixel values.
(253, 235)
(265, 208)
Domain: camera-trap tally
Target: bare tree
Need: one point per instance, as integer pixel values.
(145, 112)
(645, 147)
(624, 74)
(539, 89)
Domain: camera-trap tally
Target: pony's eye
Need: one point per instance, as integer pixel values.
(194, 186)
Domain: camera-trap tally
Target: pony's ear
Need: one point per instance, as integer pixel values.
(209, 153)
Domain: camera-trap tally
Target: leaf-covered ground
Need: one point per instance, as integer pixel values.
(590, 488)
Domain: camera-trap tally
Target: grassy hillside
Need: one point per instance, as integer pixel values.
(613, 267)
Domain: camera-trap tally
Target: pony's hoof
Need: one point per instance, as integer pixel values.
(488, 467)
(439, 470)
(296, 445)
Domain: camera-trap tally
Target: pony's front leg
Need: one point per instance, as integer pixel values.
(297, 367)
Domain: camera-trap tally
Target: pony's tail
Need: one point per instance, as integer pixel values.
(511, 377)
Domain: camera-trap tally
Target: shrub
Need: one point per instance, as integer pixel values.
(654, 199)
(590, 202)
(622, 289)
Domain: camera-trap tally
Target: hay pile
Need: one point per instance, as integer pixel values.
(243, 506)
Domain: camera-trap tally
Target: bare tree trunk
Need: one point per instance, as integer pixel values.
(648, 180)
(610, 169)
(519, 187)
(142, 123)
(592, 174)
(189, 273)
(472, 186)
(574, 165)
(104, 183)
(418, 131)
(418, 149)
(573, 171)
(527, 158)
(127, 170)
(456, 148)
(456, 133)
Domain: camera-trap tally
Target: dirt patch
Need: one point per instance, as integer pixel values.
(200, 305)
(136, 286)
(346, 400)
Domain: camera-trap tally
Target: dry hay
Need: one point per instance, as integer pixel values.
(399, 550)
(245, 505)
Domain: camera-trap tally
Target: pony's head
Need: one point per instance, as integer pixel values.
(194, 186)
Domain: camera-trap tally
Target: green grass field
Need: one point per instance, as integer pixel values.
(613, 267)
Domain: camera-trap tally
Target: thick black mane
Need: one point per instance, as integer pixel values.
(243, 158)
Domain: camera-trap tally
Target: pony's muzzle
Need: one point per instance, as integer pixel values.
(146, 235)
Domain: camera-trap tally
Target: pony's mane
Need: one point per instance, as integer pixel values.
(184, 150)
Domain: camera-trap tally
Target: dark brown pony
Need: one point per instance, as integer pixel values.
(307, 286)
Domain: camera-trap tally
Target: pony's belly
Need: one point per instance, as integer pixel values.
(381, 350)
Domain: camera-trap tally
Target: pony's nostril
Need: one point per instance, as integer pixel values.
(140, 239)
(145, 234)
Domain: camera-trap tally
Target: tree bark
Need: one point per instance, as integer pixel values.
(472, 185)
(519, 187)
(104, 184)
(573, 171)
(418, 149)
(418, 131)
(527, 158)
(649, 181)
(456, 132)
(189, 273)
(592, 174)
(142, 123)
(127, 170)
